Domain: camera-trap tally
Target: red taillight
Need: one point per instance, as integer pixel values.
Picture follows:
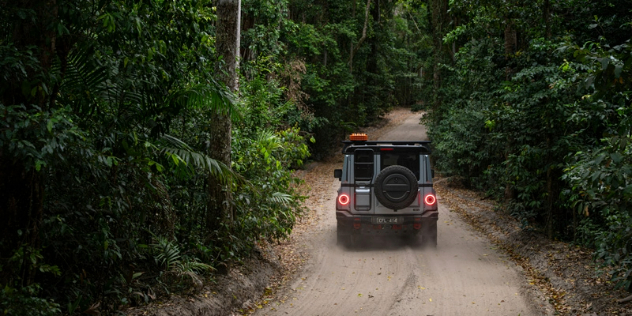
(430, 199)
(343, 199)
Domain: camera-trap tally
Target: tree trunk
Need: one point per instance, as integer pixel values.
(220, 208)
(510, 45)
(509, 38)
(439, 9)
(550, 194)
(354, 50)
(509, 189)
(549, 204)
(547, 24)
(21, 186)
(511, 41)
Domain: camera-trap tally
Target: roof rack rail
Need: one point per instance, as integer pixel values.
(380, 143)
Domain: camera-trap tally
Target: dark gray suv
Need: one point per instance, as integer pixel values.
(386, 188)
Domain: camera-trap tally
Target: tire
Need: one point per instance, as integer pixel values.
(429, 234)
(396, 187)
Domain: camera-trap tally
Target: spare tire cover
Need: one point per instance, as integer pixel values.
(396, 187)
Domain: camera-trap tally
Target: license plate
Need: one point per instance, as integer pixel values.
(385, 220)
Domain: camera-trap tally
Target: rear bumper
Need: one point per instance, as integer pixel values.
(364, 223)
(345, 216)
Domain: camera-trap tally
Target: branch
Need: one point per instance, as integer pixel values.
(625, 300)
(415, 22)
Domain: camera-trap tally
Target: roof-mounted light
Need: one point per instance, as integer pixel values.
(359, 137)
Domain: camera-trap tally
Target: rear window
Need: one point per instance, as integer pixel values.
(407, 159)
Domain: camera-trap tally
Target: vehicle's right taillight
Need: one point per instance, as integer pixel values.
(430, 199)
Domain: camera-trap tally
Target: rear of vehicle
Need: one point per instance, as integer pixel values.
(386, 188)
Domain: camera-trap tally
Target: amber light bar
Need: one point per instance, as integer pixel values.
(359, 137)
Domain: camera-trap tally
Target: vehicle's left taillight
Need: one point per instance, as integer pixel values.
(344, 199)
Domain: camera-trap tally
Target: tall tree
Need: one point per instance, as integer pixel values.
(21, 186)
(227, 46)
(439, 11)
(354, 49)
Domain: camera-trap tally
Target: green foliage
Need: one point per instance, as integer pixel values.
(111, 126)
(600, 175)
(543, 123)
(114, 129)
(601, 179)
(385, 71)
(266, 161)
(18, 297)
(464, 145)
(24, 301)
(167, 255)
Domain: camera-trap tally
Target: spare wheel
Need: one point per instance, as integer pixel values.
(396, 187)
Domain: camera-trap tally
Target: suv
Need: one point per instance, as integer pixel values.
(386, 187)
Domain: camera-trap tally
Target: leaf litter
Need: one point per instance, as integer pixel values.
(565, 275)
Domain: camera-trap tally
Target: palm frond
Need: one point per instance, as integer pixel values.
(269, 140)
(195, 266)
(280, 197)
(168, 253)
(84, 78)
(211, 95)
(195, 159)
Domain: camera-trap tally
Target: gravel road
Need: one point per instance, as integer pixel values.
(465, 275)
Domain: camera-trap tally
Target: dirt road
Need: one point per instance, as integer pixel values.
(465, 275)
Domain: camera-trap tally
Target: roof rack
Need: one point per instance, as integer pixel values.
(380, 143)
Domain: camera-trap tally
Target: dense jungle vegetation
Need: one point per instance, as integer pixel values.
(133, 163)
(532, 103)
(136, 160)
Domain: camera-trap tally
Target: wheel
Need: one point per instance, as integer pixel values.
(429, 234)
(396, 187)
